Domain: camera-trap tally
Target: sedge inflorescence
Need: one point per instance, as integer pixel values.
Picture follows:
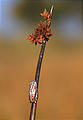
(43, 31)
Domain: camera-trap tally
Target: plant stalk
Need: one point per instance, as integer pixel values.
(34, 105)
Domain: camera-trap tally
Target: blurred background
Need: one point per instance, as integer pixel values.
(61, 85)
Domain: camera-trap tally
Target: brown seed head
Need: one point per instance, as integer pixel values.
(43, 31)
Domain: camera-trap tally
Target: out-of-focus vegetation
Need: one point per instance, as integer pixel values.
(61, 80)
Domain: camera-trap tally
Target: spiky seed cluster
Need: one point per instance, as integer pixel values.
(43, 31)
(46, 15)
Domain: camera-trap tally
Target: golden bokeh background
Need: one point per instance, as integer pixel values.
(60, 85)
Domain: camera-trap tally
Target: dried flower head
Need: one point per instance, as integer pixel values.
(43, 31)
(46, 15)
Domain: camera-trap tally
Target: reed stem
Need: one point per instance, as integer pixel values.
(34, 105)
